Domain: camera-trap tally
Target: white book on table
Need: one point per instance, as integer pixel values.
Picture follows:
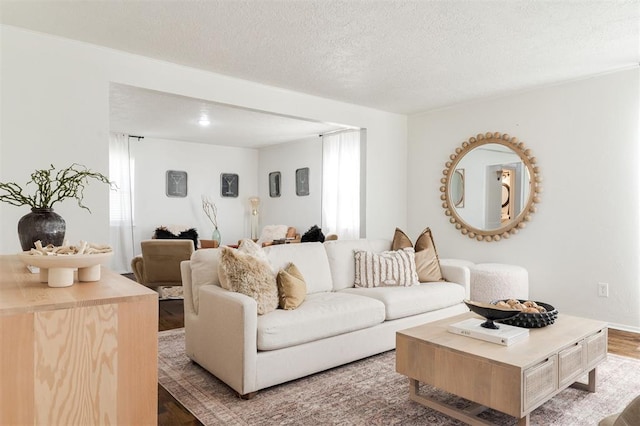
(505, 335)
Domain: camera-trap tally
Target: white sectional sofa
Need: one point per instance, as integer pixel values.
(335, 324)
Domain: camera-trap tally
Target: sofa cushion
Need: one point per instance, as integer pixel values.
(389, 268)
(204, 271)
(427, 263)
(247, 274)
(402, 302)
(309, 258)
(292, 288)
(321, 315)
(341, 259)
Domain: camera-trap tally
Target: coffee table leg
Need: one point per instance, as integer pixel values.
(590, 386)
(467, 416)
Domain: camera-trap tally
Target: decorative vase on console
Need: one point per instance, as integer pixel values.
(51, 187)
(216, 236)
(210, 209)
(41, 224)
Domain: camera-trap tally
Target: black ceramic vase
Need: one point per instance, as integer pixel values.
(41, 224)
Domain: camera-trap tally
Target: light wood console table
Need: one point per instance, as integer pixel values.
(514, 379)
(78, 355)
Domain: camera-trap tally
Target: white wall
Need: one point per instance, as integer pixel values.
(302, 212)
(203, 164)
(55, 109)
(585, 137)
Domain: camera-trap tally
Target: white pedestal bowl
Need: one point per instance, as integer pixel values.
(58, 271)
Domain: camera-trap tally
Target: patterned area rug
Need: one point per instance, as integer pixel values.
(369, 392)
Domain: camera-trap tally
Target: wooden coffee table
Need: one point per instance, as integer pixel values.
(514, 379)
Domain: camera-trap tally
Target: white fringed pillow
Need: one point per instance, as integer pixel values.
(386, 269)
(247, 274)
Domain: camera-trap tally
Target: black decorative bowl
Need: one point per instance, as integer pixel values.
(491, 313)
(532, 320)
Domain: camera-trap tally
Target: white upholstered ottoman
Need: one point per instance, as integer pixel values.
(491, 281)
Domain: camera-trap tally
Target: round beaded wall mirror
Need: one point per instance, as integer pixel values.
(501, 186)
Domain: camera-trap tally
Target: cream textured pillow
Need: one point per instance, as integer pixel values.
(292, 288)
(389, 268)
(271, 233)
(248, 246)
(247, 274)
(427, 262)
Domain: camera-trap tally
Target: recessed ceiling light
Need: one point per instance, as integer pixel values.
(204, 121)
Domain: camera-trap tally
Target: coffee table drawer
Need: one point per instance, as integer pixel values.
(539, 382)
(596, 347)
(571, 363)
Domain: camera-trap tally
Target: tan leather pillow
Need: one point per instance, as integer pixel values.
(427, 262)
(400, 240)
(292, 289)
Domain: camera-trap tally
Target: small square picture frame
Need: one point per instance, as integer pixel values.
(302, 181)
(275, 179)
(176, 183)
(229, 185)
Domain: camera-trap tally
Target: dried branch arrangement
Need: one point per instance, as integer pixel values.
(52, 187)
(210, 210)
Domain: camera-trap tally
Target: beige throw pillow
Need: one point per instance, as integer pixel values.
(292, 289)
(389, 268)
(247, 274)
(426, 255)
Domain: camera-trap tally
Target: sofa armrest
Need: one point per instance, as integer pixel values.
(458, 274)
(223, 337)
(187, 289)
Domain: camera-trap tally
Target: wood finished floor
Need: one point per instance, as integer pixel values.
(171, 412)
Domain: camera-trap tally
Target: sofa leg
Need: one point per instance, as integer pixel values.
(248, 396)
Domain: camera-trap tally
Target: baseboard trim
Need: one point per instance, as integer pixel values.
(623, 327)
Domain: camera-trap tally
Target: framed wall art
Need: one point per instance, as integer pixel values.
(229, 184)
(302, 181)
(274, 184)
(176, 183)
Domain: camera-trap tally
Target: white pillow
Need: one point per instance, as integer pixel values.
(272, 232)
(389, 268)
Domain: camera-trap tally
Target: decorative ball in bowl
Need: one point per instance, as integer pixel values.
(491, 312)
(532, 314)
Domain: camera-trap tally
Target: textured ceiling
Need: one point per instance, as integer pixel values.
(153, 114)
(396, 55)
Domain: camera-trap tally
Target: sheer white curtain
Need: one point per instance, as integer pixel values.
(121, 168)
(341, 184)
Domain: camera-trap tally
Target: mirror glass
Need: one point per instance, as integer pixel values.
(491, 186)
(457, 188)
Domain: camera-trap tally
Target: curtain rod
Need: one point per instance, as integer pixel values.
(338, 131)
(134, 136)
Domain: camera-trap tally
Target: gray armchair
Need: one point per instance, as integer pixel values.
(630, 416)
